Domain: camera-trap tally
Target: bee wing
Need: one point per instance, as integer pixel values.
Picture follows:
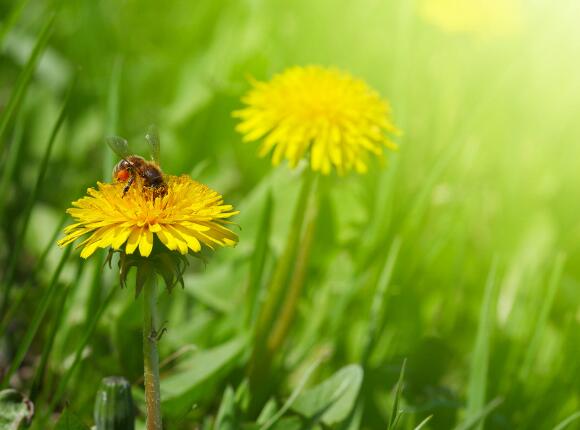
(152, 137)
(119, 146)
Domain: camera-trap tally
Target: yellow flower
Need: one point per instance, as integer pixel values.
(188, 215)
(324, 113)
(483, 17)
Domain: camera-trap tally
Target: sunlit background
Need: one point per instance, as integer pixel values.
(477, 210)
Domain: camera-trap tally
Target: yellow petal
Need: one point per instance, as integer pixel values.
(146, 243)
(133, 240)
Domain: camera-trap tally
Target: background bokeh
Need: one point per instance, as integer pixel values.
(477, 211)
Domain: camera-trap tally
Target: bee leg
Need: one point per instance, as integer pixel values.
(129, 183)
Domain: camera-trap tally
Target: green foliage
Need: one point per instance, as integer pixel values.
(70, 421)
(482, 187)
(332, 400)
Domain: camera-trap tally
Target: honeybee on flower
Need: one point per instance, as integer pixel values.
(144, 205)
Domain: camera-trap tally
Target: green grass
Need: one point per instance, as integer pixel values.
(458, 256)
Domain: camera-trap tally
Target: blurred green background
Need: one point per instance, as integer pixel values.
(466, 241)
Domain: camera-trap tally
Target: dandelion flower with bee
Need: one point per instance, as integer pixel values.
(152, 220)
(323, 114)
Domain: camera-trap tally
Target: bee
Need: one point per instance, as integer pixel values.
(132, 165)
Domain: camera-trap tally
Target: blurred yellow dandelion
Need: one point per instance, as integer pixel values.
(324, 113)
(188, 215)
(482, 17)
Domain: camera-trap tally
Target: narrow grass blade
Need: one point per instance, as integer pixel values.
(49, 343)
(113, 103)
(24, 78)
(288, 404)
(9, 314)
(423, 423)
(478, 418)
(226, 415)
(395, 411)
(37, 319)
(80, 348)
(14, 255)
(477, 385)
(564, 424)
(258, 261)
(379, 301)
(8, 169)
(542, 320)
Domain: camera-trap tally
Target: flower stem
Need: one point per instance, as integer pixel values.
(151, 354)
(294, 289)
(283, 293)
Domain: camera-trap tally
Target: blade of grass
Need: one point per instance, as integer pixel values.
(113, 102)
(15, 254)
(37, 319)
(7, 317)
(477, 385)
(564, 424)
(36, 385)
(258, 262)
(80, 348)
(395, 412)
(14, 151)
(295, 393)
(379, 302)
(423, 423)
(24, 78)
(478, 418)
(542, 319)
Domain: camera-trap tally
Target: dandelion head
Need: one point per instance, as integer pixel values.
(325, 114)
(186, 217)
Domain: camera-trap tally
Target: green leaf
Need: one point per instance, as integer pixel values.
(15, 410)
(24, 79)
(291, 423)
(258, 261)
(475, 420)
(38, 316)
(92, 325)
(226, 417)
(478, 375)
(183, 388)
(396, 412)
(564, 424)
(333, 399)
(423, 423)
(69, 421)
(268, 412)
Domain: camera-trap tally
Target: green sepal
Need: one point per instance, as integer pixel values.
(170, 265)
